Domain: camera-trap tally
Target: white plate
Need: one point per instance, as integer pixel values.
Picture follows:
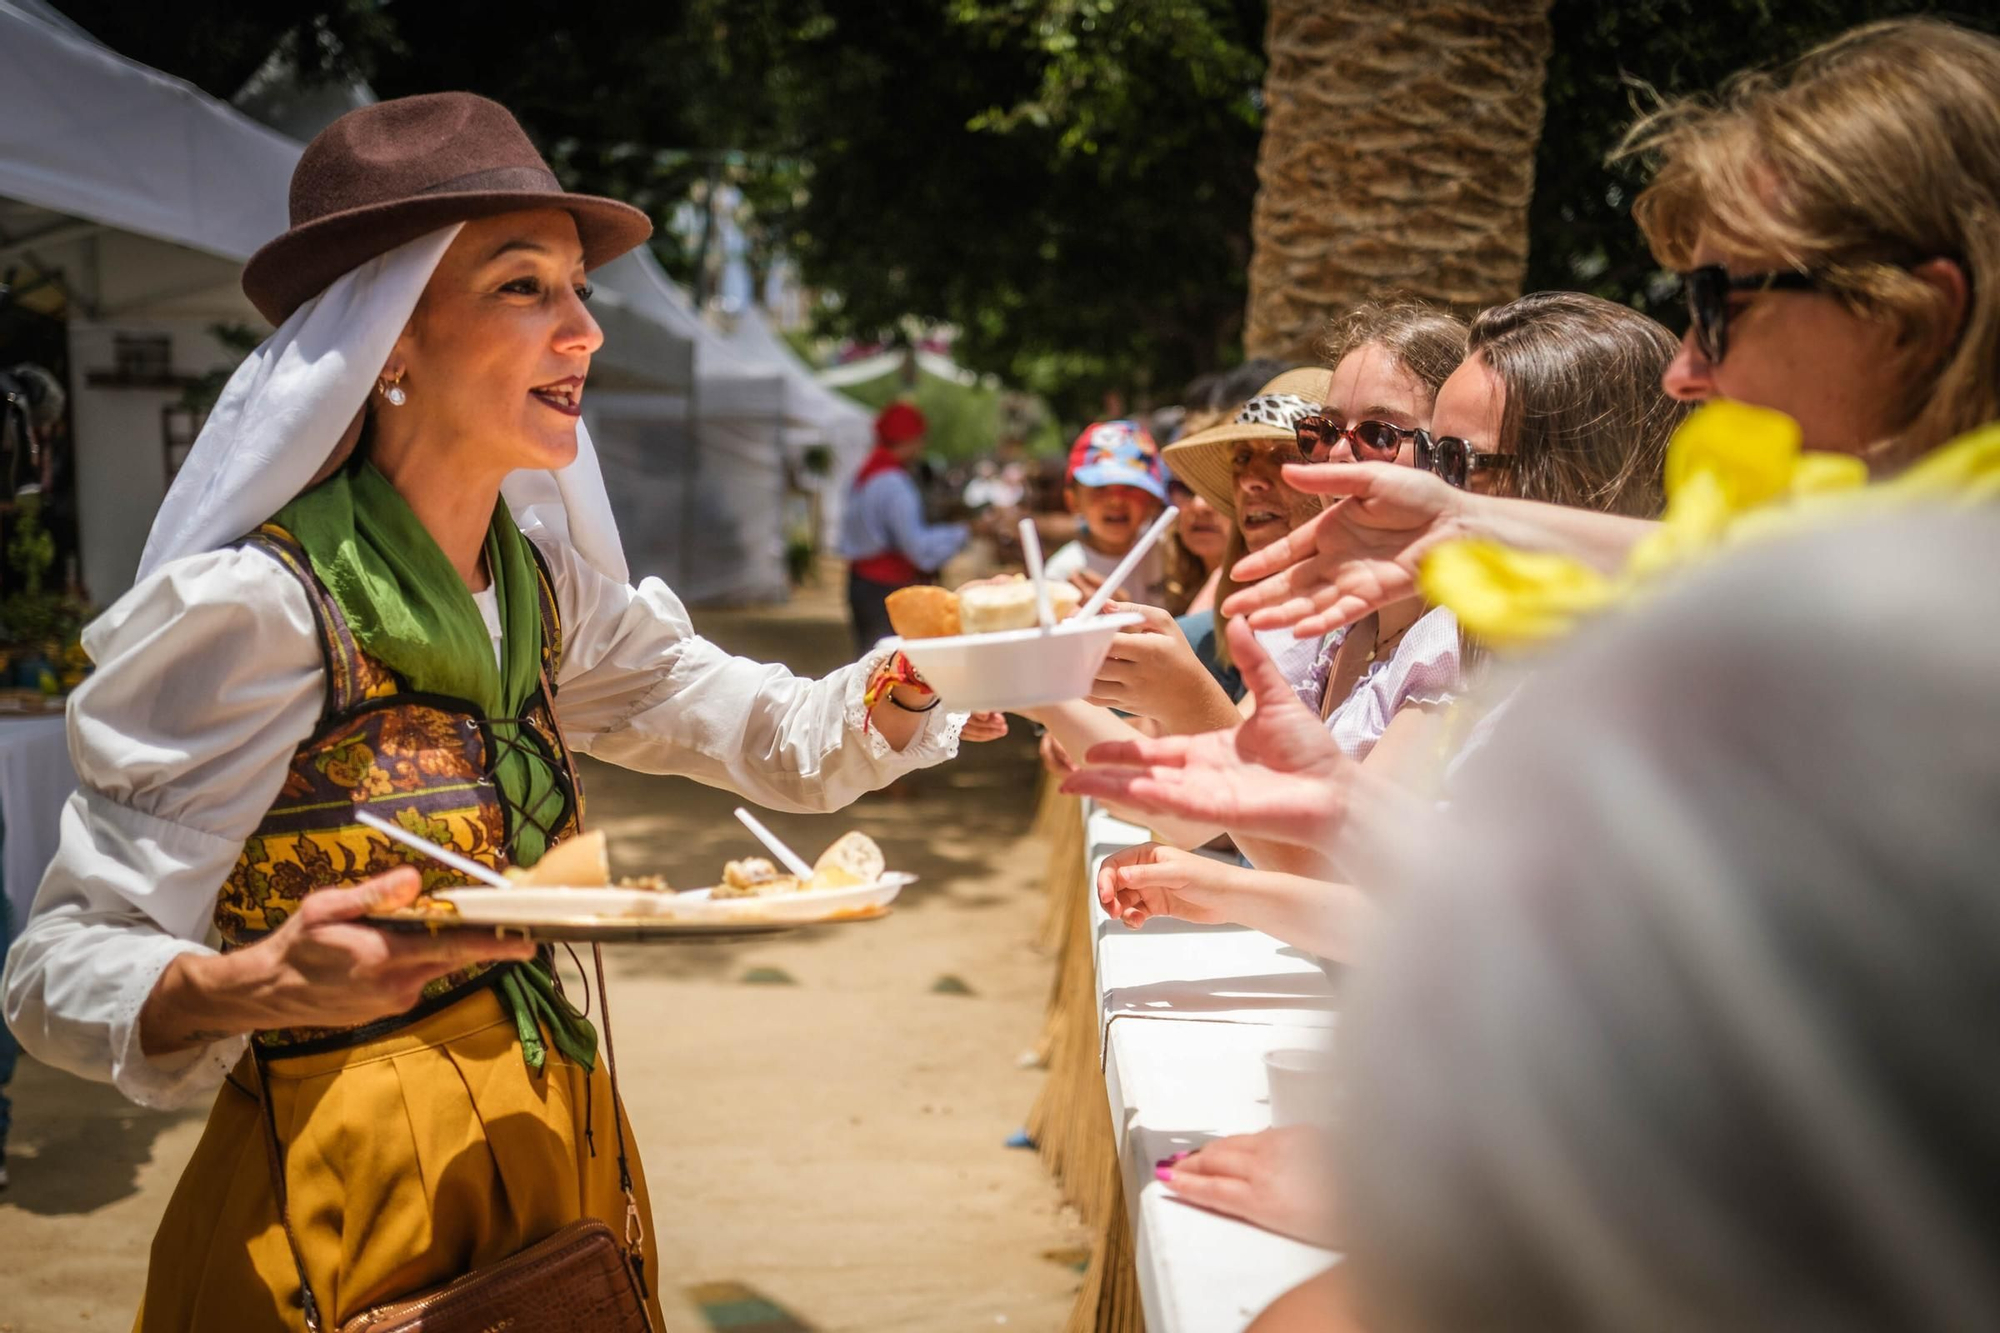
(1016, 668)
(546, 907)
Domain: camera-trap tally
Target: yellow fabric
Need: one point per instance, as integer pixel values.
(409, 1161)
(1734, 473)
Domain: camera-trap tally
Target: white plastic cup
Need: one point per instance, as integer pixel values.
(1301, 1086)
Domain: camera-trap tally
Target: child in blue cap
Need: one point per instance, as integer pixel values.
(1116, 486)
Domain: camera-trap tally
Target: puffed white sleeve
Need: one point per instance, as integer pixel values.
(208, 677)
(639, 688)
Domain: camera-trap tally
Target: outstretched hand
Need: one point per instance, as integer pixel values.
(984, 727)
(1150, 671)
(1276, 775)
(1278, 1179)
(324, 967)
(1353, 557)
(1136, 884)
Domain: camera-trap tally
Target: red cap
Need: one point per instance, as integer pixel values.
(899, 422)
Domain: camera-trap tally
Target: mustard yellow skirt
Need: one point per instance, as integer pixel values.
(409, 1161)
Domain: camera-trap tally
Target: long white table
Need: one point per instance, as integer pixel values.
(1186, 1014)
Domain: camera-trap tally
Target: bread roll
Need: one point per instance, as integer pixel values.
(923, 612)
(579, 863)
(853, 860)
(991, 605)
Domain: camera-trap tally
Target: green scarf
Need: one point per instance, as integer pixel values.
(407, 606)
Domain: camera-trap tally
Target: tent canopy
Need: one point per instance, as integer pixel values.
(92, 135)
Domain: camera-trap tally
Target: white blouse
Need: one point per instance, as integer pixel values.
(1423, 669)
(209, 677)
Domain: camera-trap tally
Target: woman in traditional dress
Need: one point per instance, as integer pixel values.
(388, 579)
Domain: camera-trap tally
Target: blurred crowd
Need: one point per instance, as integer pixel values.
(1612, 710)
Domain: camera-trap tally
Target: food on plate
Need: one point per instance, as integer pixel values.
(852, 861)
(983, 606)
(646, 883)
(753, 877)
(988, 607)
(923, 612)
(579, 863)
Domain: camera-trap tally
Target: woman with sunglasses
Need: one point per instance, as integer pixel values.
(1558, 400)
(1834, 227)
(1388, 359)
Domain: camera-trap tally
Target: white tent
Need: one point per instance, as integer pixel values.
(815, 414)
(142, 196)
(139, 197)
(708, 516)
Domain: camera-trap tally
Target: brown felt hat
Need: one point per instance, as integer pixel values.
(386, 174)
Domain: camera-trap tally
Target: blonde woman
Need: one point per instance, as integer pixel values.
(1837, 226)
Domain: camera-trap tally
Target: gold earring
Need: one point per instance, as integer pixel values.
(393, 391)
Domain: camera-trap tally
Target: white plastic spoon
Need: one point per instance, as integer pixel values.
(793, 862)
(1117, 577)
(1031, 549)
(435, 852)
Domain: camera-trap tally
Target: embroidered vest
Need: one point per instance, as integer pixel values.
(422, 760)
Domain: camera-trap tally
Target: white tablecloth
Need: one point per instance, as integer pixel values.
(35, 780)
(1186, 1013)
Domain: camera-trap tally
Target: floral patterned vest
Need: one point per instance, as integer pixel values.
(422, 760)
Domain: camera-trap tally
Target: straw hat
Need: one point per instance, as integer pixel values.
(386, 174)
(1206, 462)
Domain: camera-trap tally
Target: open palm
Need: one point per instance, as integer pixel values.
(1353, 557)
(1275, 775)
(1136, 884)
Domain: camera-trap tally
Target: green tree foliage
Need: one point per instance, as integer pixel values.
(1066, 181)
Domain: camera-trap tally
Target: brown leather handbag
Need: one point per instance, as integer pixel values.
(580, 1279)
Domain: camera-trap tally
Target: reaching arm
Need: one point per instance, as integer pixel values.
(1277, 774)
(638, 687)
(1151, 880)
(208, 677)
(1363, 554)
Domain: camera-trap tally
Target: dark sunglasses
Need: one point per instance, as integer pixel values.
(1318, 434)
(1456, 460)
(1708, 289)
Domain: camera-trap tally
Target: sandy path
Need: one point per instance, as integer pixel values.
(827, 1139)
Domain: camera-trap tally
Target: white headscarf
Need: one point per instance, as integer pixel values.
(287, 406)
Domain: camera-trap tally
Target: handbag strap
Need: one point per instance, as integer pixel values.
(635, 1226)
(274, 1158)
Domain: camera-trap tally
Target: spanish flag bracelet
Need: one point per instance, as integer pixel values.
(896, 671)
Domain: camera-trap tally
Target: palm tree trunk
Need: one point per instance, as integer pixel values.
(1398, 155)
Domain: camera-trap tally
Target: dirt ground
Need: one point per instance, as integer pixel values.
(822, 1114)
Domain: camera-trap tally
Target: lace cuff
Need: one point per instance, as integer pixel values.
(169, 1081)
(937, 736)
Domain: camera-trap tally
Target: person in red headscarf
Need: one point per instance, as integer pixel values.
(883, 535)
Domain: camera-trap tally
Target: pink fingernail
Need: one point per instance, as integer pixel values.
(1179, 1156)
(1163, 1174)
